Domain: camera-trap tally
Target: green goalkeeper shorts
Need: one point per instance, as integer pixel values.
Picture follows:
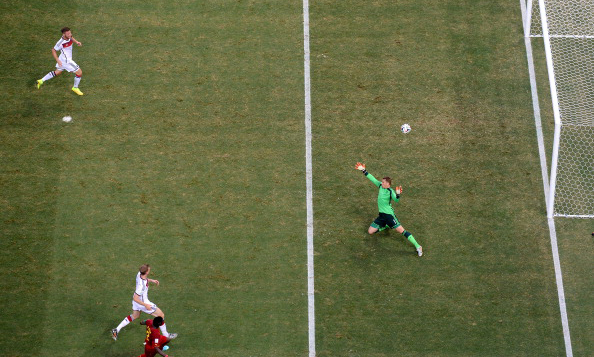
(385, 219)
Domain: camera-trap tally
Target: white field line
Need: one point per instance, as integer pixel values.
(560, 290)
(543, 163)
(537, 120)
(308, 178)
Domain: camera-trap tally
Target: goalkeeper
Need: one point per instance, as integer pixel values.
(386, 217)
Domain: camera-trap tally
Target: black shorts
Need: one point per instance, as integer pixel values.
(385, 219)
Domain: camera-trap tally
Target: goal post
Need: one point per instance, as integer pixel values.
(567, 30)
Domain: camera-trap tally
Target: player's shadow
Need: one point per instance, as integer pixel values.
(101, 343)
(104, 345)
(114, 353)
(386, 243)
(368, 250)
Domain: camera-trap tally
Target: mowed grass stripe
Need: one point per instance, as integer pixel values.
(185, 152)
(30, 157)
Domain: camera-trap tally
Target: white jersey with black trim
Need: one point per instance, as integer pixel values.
(66, 47)
(142, 288)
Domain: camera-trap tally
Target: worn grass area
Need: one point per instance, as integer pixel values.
(186, 152)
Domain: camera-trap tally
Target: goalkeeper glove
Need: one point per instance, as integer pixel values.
(361, 167)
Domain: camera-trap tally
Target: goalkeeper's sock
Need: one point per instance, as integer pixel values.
(411, 239)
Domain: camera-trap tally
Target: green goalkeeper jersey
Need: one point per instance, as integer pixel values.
(384, 196)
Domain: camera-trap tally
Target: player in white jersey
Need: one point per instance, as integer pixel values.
(141, 302)
(64, 62)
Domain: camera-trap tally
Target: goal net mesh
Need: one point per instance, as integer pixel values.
(571, 33)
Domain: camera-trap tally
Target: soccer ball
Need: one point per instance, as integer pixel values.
(405, 128)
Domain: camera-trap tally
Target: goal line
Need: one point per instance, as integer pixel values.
(541, 150)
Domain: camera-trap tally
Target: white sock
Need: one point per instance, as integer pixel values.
(125, 322)
(163, 329)
(76, 80)
(50, 75)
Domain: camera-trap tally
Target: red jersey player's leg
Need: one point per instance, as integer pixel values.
(163, 341)
(149, 351)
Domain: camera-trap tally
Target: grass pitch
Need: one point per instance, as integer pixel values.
(187, 152)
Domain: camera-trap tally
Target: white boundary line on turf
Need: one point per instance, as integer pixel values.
(308, 178)
(536, 108)
(545, 180)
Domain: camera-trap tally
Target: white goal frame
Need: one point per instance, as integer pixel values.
(528, 7)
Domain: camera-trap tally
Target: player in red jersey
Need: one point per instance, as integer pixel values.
(154, 341)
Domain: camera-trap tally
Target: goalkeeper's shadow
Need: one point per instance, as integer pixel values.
(385, 243)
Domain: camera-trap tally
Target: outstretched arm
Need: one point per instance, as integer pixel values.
(153, 281)
(361, 167)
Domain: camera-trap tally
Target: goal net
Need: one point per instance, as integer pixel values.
(567, 27)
